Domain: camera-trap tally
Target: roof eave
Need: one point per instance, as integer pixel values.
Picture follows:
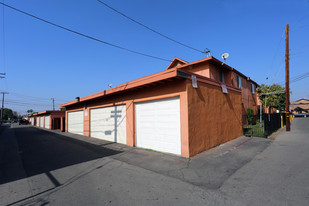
(166, 74)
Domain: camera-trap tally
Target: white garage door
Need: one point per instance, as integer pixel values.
(47, 120)
(37, 121)
(109, 123)
(41, 121)
(76, 122)
(157, 125)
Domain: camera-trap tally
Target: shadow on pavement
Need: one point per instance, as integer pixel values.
(40, 151)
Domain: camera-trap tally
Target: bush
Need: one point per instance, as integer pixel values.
(250, 115)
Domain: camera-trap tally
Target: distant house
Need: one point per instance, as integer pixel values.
(184, 110)
(300, 106)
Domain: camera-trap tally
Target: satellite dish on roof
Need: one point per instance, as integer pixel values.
(225, 56)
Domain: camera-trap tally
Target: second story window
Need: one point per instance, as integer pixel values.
(238, 82)
(252, 88)
(221, 77)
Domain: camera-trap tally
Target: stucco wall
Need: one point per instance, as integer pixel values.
(214, 117)
(249, 100)
(59, 115)
(200, 69)
(207, 116)
(161, 90)
(52, 116)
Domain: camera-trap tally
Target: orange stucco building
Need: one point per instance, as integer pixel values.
(219, 71)
(49, 119)
(184, 110)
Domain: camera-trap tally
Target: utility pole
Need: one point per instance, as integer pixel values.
(287, 79)
(53, 103)
(3, 93)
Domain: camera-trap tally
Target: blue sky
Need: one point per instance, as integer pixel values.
(44, 62)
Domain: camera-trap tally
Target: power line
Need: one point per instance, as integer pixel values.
(32, 98)
(300, 78)
(300, 19)
(147, 27)
(27, 103)
(84, 35)
(274, 57)
(29, 98)
(279, 70)
(23, 102)
(296, 78)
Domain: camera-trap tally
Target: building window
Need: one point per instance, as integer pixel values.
(221, 76)
(252, 89)
(238, 81)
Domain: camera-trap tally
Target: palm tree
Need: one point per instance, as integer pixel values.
(30, 111)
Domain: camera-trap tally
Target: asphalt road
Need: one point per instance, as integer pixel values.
(38, 167)
(277, 176)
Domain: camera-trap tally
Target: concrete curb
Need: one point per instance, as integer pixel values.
(274, 135)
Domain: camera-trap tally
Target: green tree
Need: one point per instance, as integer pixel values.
(30, 111)
(7, 113)
(250, 115)
(274, 100)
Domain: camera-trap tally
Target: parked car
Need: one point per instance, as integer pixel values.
(301, 115)
(23, 122)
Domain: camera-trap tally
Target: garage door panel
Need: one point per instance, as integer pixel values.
(76, 122)
(47, 121)
(41, 121)
(158, 125)
(109, 123)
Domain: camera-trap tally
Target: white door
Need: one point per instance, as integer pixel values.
(47, 121)
(37, 121)
(157, 125)
(76, 122)
(109, 123)
(41, 121)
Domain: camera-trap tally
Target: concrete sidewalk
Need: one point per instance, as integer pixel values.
(209, 169)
